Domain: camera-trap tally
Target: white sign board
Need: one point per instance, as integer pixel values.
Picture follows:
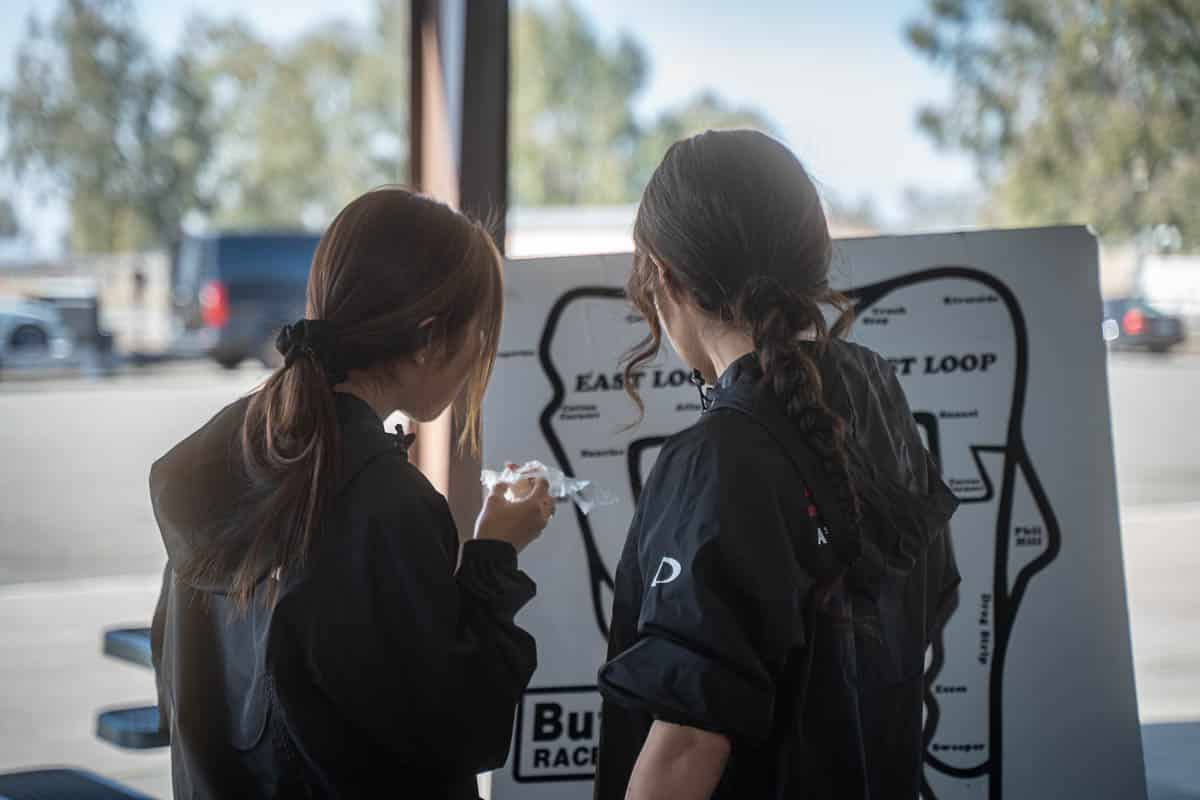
(996, 338)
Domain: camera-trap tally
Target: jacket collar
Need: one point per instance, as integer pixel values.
(738, 379)
(363, 437)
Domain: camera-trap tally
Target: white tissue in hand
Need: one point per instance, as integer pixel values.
(585, 494)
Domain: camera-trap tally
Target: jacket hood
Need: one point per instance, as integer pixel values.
(906, 505)
(201, 491)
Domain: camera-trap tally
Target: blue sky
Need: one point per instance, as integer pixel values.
(836, 78)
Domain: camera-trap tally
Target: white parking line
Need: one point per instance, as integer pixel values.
(112, 584)
(1160, 512)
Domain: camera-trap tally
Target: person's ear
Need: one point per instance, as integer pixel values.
(425, 351)
(660, 271)
(665, 279)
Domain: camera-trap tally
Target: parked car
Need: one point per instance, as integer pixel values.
(32, 334)
(1132, 323)
(232, 292)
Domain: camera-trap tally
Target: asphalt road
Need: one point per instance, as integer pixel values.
(1156, 435)
(79, 551)
(74, 460)
(74, 457)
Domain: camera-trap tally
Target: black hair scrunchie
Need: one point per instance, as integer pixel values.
(313, 338)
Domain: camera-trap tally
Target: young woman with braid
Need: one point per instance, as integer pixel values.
(788, 562)
(321, 632)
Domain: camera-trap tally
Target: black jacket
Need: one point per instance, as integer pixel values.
(714, 623)
(381, 668)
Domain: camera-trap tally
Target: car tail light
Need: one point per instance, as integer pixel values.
(1133, 322)
(214, 304)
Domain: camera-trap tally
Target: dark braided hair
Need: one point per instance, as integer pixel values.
(734, 223)
(777, 317)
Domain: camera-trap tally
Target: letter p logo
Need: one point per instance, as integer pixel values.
(668, 570)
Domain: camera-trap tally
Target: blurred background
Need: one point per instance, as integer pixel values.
(166, 168)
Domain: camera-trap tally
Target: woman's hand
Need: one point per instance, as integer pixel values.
(519, 521)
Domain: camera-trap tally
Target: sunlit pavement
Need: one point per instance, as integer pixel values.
(79, 552)
(55, 679)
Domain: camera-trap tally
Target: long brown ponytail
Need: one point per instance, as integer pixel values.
(395, 273)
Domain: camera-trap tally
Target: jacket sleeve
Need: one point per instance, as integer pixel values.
(723, 599)
(425, 658)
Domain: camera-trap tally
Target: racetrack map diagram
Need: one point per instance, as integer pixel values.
(968, 397)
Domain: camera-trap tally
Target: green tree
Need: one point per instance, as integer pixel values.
(247, 133)
(91, 116)
(1074, 110)
(705, 111)
(574, 135)
(10, 225)
(308, 125)
(859, 213)
(923, 209)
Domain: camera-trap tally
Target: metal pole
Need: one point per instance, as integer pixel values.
(473, 112)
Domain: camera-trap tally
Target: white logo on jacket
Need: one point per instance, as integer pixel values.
(674, 568)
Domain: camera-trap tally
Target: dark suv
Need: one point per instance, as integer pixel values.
(234, 291)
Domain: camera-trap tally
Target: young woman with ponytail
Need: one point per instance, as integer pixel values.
(788, 563)
(321, 633)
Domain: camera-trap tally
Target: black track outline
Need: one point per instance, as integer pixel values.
(598, 574)
(989, 488)
(1004, 602)
(929, 422)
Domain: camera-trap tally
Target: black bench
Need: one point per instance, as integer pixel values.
(129, 644)
(130, 728)
(63, 784)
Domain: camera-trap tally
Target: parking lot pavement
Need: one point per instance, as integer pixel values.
(1162, 566)
(1155, 431)
(74, 461)
(55, 679)
(74, 457)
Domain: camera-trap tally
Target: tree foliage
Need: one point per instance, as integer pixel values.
(574, 133)
(576, 138)
(704, 111)
(1074, 110)
(91, 116)
(308, 125)
(10, 223)
(243, 132)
